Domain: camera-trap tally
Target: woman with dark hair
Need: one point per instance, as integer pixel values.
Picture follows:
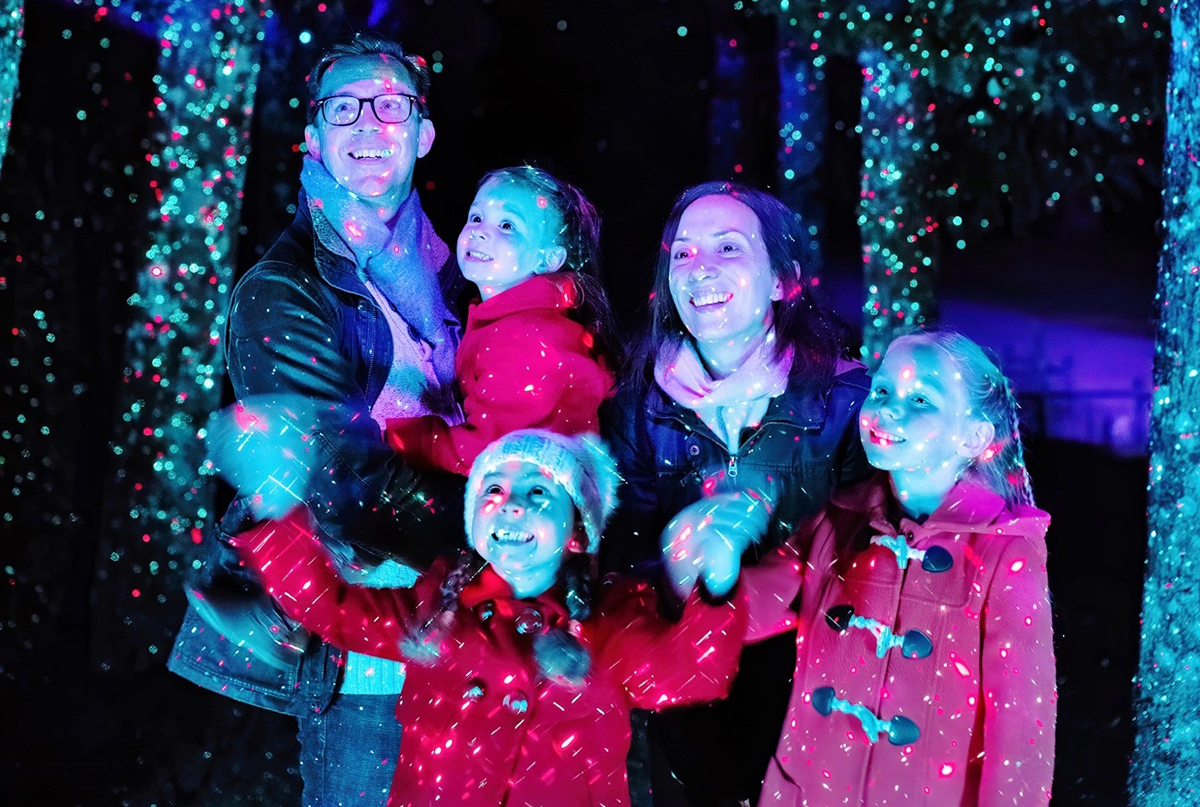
(740, 391)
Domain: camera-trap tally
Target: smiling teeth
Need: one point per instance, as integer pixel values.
(512, 536)
(366, 154)
(885, 437)
(711, 298)
(477, 255)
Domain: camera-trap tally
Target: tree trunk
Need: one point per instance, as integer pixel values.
(157, 502)
(1167, 701)
(12, 24)
(899, 252)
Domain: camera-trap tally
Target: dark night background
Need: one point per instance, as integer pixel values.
(617, 102)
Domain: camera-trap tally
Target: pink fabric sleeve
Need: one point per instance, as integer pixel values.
(1017, 664)
(297, 571)
(770, 589)
(663, 663)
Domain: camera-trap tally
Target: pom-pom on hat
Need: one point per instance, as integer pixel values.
(582, 465)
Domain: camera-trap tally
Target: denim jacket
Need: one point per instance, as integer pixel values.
(806, 445)
(302, 323)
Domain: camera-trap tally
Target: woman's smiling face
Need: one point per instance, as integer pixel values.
(721, 279)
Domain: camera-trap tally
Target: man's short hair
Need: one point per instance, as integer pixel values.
(369, 43)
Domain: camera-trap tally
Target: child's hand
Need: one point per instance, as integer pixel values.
(260, 447)
(707, 538)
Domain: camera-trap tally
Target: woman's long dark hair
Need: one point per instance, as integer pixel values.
(816, 335)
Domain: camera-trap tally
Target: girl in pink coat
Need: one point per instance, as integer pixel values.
(523, 675)
(925, 659)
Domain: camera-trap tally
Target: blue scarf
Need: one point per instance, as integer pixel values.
(401, 256)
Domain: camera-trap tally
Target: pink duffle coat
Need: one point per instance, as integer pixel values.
(481, 727)
(983, 700)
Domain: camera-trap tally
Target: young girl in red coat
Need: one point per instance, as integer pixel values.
(925, 659)
(522, 675)
(538, 349)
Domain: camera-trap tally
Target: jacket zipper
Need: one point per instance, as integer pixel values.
(371, 350)
(734, 456)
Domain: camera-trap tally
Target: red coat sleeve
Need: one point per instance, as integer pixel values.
(530, 372)
(662, 663)
(298, 572)
(1017, 662)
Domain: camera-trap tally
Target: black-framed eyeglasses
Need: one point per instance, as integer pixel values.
(344, 110)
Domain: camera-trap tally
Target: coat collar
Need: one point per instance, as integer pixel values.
(967, 508)
(801, 405)
(551, 292)
(333, 262)
(490, 586)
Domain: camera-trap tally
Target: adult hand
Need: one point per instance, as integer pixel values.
(707, 538)
(260, 446)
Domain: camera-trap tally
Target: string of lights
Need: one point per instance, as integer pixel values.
(12, 20)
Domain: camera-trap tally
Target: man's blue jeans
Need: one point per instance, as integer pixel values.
(348, 752)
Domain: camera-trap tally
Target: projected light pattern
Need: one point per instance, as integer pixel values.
(1167, 686)
(1014, 107)
(173, 352)
(803, 117)
(12, 20)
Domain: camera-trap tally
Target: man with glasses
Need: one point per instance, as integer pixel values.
(349, 313)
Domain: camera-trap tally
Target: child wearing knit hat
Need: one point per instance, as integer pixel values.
(526, 669)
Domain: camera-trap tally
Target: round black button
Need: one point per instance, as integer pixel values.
(516, 702)
(838, 617)
(529, 621)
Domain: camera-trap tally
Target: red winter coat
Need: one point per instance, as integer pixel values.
(480, 726)
(523, 364)
(984, 700)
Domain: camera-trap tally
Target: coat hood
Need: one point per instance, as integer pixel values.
(553, 292)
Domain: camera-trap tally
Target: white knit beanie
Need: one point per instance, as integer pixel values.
(582, 465)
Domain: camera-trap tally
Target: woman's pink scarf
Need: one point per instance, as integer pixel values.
(729, 404)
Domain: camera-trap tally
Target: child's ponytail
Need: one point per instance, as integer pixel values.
(559, 654)
(1007, 453)
(424, 645)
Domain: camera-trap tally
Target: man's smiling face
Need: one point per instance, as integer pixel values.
(369, 157)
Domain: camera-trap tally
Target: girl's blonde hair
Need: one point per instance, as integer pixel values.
(1001, 467)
